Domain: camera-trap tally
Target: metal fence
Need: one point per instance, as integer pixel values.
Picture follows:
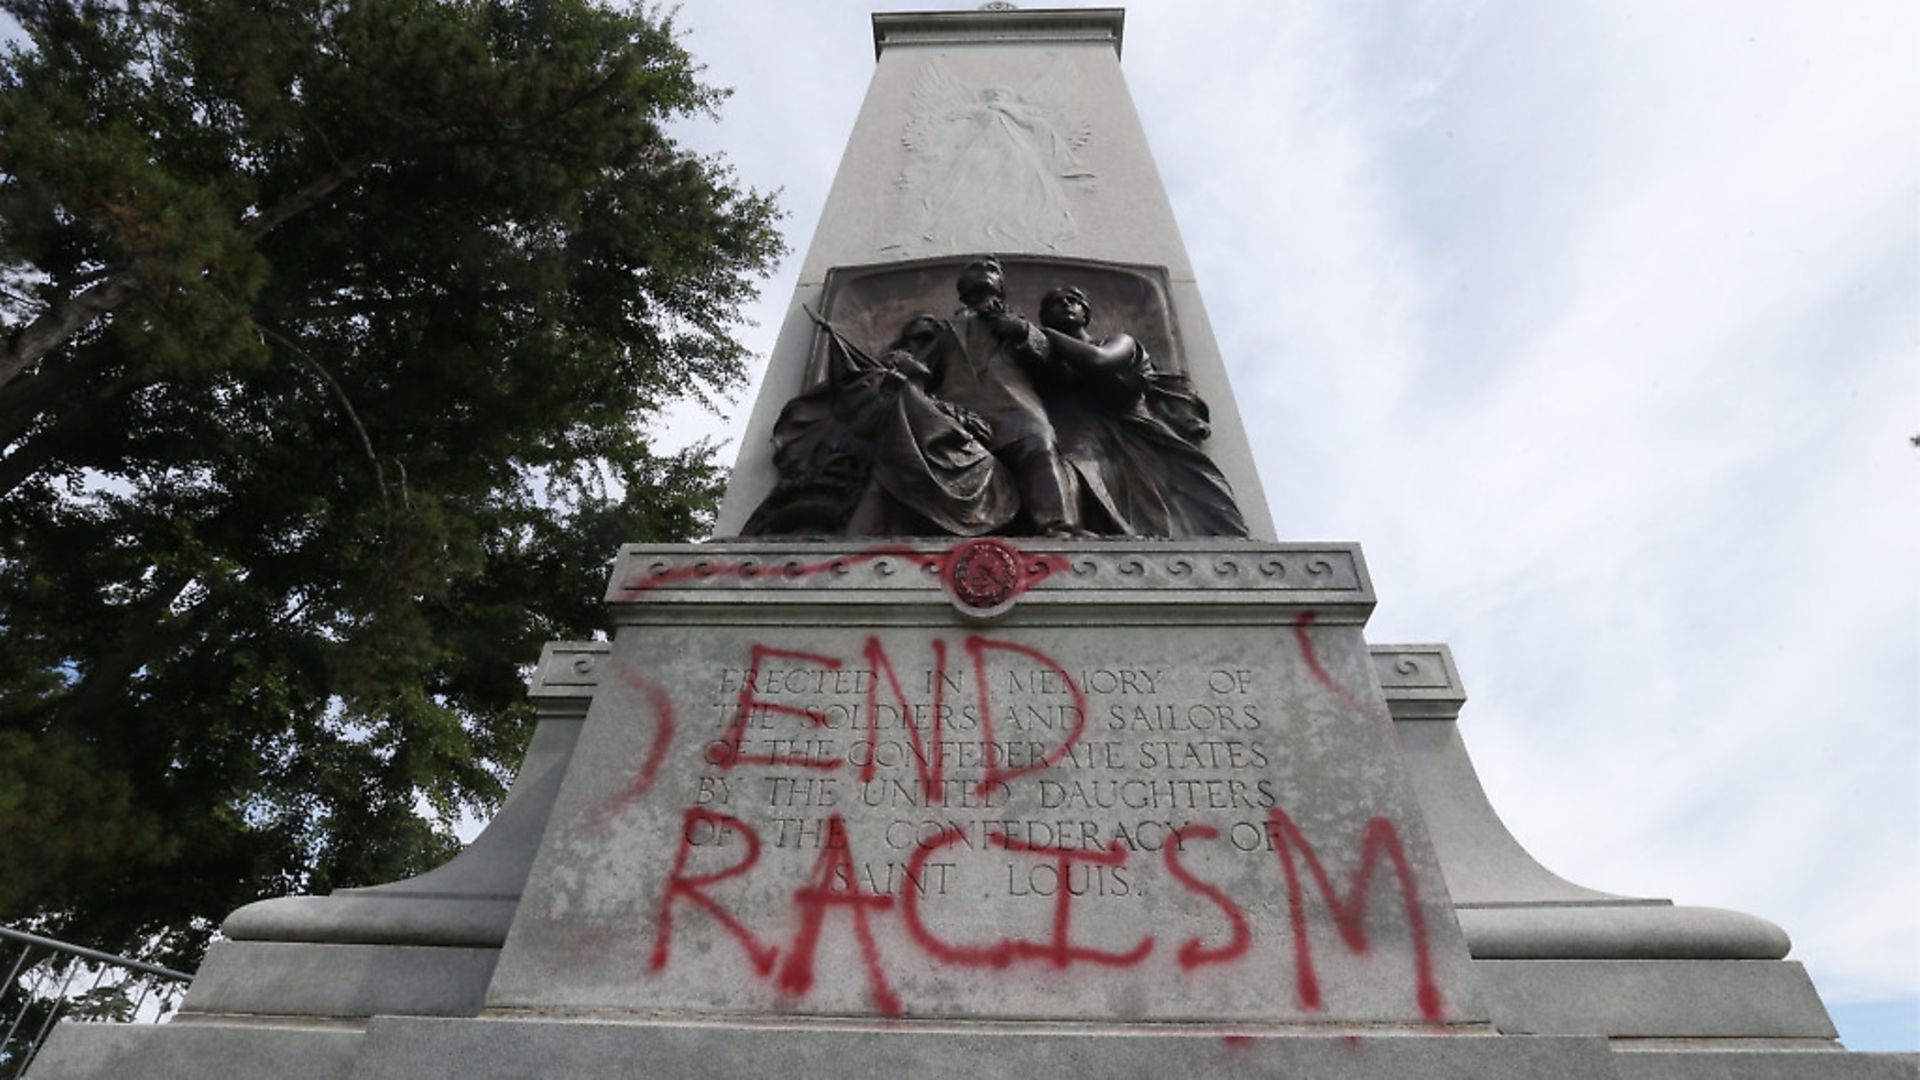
(40, 990)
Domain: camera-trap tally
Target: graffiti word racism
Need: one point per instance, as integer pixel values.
(841, 886)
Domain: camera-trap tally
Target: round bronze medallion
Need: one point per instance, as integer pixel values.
(984, 573)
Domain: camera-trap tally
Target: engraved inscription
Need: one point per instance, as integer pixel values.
(862, 816)
(1107, 759)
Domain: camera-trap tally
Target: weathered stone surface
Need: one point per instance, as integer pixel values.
(400, 918)
(274, 978)
(1650, 999)
(1761, 1064)
(513, 1049)
(1619, 932)
(1077, 178)
(1129, 693)
(183, 1051)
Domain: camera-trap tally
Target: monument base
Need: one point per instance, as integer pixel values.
(453, 974)
(512, 1048)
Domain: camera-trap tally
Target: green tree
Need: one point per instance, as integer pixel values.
(332, 330)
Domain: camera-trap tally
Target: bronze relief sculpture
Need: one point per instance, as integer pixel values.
(983, 423)
(1131, 433)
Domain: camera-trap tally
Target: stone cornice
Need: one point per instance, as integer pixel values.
(1043, 25)
(568, 670)
(1056, 582)
(1420, 681)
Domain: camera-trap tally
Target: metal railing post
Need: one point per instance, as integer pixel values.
(30, 977)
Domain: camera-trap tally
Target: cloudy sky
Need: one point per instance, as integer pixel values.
(1598, 325)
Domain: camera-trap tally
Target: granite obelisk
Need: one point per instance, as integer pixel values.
(1011, 133)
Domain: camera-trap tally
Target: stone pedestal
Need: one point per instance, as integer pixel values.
(817, 783)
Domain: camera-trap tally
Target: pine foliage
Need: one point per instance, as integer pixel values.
(332, 330)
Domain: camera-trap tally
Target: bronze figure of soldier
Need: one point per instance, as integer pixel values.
(988, 360)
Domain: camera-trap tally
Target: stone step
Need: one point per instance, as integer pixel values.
(1758, 1064)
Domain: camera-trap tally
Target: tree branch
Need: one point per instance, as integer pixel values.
(28, 398)
(62, 321)
(19, 297)
(66, 317)
(353, 417)
(149, 626)
(386, 305)
(307, 197)
(16, 468)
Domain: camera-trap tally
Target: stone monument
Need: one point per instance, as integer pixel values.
(998, 732)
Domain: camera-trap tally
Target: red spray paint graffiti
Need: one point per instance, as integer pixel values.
(977, 648)
(729, 752)
(1192, 953)
(928, 755)
(994, 955)
(833, 884)
(1033, 568)
(681, 886)
(660, 705)
(1319, 671)
(747, 570)
(1350, 915)
(1059, 951)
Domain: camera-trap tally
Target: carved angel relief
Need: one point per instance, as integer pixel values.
(990, 169)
